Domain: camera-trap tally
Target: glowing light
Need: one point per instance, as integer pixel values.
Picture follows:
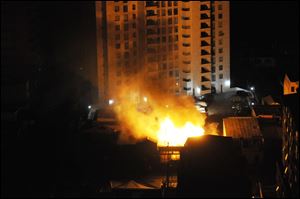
(177, 83)
(252, 103)
(252, 88)
(145, 99)
(89, 107)
(277, 188)
(198, 90)
(111, 102)
(171, 135)
(227, 83)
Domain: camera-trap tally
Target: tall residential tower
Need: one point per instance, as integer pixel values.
(183, 47)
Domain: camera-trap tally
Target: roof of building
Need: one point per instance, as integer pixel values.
(267, 110)
(241, 127)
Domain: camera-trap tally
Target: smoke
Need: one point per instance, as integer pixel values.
(141, 106)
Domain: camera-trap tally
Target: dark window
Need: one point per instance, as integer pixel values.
(134, 16)
(170, 21)
(134, 34)
(163, 39)
(175, 20)
(169, 3)
(126, 26)
(175, 11)
(170, 29)
(175, 3)
(163, 4)
(220, 7)
(126, 36)
(169, 12)
(118, 46)
(220, 16)
(126, 17)
(292, 89)
(170, 38)
(125, 8)
(220, 76)
(118, 36)
(220, 50)
(134, 44)
(133, 7)
(176, 38)
(176, 29)
(117, 8)
(163, 13)
(221, 67)
(117, 27)
(220, 59)
(126, 45)
(134, 25)
(117, 18)
(213, 69)
(213, 77)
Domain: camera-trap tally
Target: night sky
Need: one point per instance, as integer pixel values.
(265, 28)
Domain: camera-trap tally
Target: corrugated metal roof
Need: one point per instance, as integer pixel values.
(241, 127)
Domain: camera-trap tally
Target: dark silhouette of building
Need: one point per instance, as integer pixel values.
(212, 166)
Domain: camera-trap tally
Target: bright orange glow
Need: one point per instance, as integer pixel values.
(170, 135)
(164, 118)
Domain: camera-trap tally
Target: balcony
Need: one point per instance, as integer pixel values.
(204, 43)
(204, 61)
(204, 35)
(151, 22)
(185, 18)
(151, 3)
(204, 7)
(204, 16)
(204, 70)
(151, 13)
(185, 9)
(186, 44)
(204, 88)
(187, 88)
(204, 79)
(204, 52)
(186, 79)
(204, 25)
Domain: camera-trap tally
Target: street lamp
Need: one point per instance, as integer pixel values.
(252, 88)
(111, 102)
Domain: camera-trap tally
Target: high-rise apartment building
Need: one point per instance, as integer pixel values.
(180, 46)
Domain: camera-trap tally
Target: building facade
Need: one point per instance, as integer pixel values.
(183, 47)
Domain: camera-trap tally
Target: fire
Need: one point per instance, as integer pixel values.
(170, 135)
(169, 120)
